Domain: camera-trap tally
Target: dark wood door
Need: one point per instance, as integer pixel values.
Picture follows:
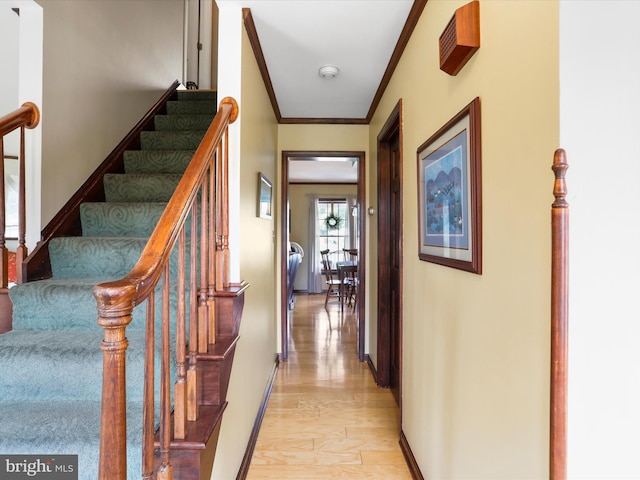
(389, 365)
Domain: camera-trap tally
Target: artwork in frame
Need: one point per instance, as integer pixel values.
(449, 193)
(265, 194)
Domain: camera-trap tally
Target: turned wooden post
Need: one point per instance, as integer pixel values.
(559, 320)
(203, 304)
(4, 252)
(213, 202)
(192, 377)
(114, 318)
(180, 388)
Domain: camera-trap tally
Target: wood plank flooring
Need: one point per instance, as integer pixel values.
(326, 417)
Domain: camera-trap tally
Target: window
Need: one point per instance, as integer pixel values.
(332, 230)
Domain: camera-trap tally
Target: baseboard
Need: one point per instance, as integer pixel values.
(253, 438)
(372, 367)
(410, 459)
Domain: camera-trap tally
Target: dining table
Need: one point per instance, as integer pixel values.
(345, 269)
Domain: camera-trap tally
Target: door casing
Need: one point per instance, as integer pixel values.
(284, 214)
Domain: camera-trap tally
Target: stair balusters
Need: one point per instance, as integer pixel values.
(204, 185)
(27, 116)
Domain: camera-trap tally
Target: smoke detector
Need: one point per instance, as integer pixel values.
(328, 71)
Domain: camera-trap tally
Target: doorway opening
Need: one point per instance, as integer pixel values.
(304, 174)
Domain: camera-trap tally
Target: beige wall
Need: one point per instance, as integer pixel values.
(299, 207)
(475, 348)
(256, 351)
(105, 65)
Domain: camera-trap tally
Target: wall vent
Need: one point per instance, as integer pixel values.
(460, 39)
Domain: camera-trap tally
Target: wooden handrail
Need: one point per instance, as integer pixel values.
(27, 116)
(559, 320)
(201, 188)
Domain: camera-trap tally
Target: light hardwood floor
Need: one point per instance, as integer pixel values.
(326, 417)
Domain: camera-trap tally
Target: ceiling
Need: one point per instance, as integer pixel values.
(292, 39)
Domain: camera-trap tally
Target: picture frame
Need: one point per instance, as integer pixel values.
(450, 193)
(265, 195)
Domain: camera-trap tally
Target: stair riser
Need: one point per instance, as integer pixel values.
(82, 257)
(171, 140)
(74, 366)
(195, 107)
(213, 379)
(164, 123)
(65, 428)
(120, 219)
(123, 219)
(198, 95)
(157, 161)
(140, 188)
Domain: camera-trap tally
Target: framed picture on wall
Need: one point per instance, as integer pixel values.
(265, 194)
(449, 193)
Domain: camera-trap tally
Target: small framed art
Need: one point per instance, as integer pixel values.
(265, 194)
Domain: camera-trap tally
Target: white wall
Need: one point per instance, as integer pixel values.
(105, 64)
(599, 125)
(9, 30)
(9, 45)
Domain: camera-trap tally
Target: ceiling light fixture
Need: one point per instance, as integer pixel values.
(328, 71)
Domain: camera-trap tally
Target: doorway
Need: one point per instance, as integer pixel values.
(21, 36)
(316, 158)
(200, 62)
(389, 368)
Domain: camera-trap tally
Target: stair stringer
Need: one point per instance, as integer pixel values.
(193, 457)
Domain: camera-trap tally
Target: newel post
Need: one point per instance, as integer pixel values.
(559, 320)
(115, 308)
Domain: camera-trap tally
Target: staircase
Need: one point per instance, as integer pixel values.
(65, 387)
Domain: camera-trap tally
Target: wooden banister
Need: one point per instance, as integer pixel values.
(203, 187)
(559, 320)
(27, 116)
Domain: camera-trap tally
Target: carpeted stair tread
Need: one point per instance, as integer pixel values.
(112, 219)
(198, 95)
(73, 364)
(182, 122)
(187, 140)
(157, 161)
(69, 305)
(87, 257)
(134, 187)
(176, 107)
(66, 428)
(59, 304)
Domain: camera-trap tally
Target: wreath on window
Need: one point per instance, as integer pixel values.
(333, 221)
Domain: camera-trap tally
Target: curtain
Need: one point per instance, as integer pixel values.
(314, 281)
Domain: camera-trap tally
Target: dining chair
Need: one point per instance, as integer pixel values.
(333, 284)
(350, 275)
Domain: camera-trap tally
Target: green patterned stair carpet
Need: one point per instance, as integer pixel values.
(51, 373)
